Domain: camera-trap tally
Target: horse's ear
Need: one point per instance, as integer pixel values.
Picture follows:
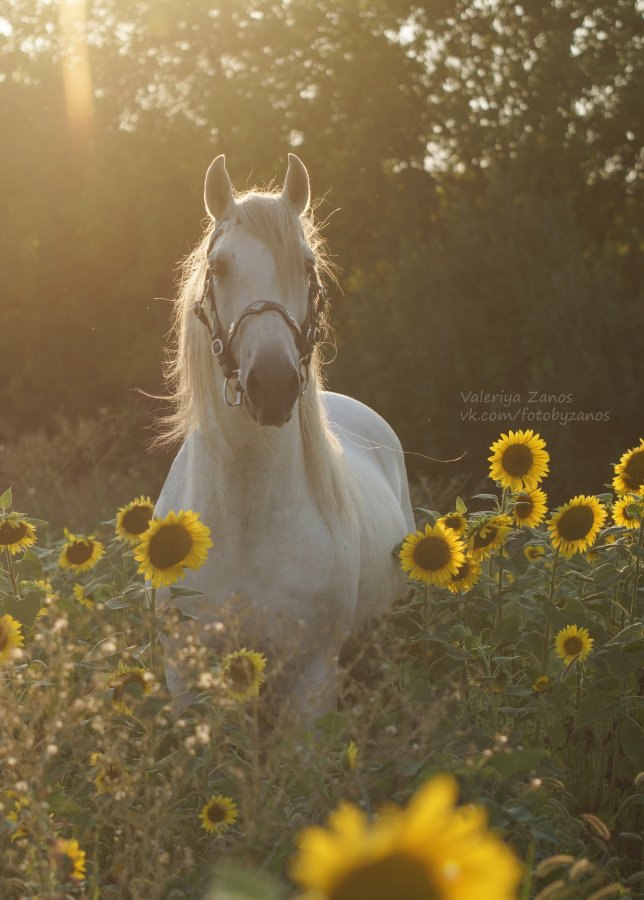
(296, 184)
(218, 190)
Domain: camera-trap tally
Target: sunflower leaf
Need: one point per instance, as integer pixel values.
(30, 566)
(25, 609)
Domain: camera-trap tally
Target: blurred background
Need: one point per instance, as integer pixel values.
(478, 163)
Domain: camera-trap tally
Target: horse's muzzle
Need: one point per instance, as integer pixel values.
(272, 386)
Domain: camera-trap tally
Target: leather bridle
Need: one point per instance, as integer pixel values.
(306, 336)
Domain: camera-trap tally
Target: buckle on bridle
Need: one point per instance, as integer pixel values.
(239, 392)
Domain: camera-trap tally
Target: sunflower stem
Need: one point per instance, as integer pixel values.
(152, 596)
(500, 585)
(637, 577)
(551, 600)
(12, 575)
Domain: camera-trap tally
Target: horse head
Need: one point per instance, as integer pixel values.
(262, 288)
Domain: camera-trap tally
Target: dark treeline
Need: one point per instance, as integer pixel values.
(480, 162)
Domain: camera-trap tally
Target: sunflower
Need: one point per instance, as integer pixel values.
(131, 682)
(573, 643)
(430, 850)
(111, 777)
(455, 522)
(432, 556)
(17, 816)
(575, 525)
(629, 471)
(351, 754)
(533, 552)
(218, 814)
(487, 534)
(80, 552)
(468, 574)
(83, 597)
(16, 533)
(530, 508)
(541, 685)
(11, 637)
(621, 515)
(132, 520)
(243, 673)
(519, 460)
(69, 860)
(170, 545)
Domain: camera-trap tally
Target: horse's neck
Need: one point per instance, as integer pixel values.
(250, 466)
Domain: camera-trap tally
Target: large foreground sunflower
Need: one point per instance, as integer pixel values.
(10, 637)
(432, 556)
(575, 525)
(519, 460)
(132, 520)
(16, 533)
(80, 553)
(530, 508)
(170, 545)
(430, 851)
(488, 534)
(573, 643)
(218, 814)
(629, 471)
(243, 672)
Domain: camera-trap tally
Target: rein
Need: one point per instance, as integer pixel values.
(306, 336)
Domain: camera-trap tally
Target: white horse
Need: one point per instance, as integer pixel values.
(305, 491)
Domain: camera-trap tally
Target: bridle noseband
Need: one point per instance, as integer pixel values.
(306, 336)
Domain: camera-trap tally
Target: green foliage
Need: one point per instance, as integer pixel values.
(483, 158)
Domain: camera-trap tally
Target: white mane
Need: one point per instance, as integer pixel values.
(191, 371)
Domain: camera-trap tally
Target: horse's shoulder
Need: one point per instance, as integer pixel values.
(346, 414)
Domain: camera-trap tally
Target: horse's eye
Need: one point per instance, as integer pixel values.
(218, 268)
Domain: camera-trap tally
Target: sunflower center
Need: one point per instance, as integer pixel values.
(11, 533)
(112, 771)
(79, 552)
(485, 536)
(169, 546)
(396, 876)
(517, 460)
(573, 645)
(432, 553)
(66, 864)
(452, 522)
(633, 473)
(462, 573)
(137, 519)
(241, 672)
(575, 523)
(524, 506)
(216, 813)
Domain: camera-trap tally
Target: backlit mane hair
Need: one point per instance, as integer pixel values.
(192, 373)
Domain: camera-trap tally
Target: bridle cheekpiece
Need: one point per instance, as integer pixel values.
(306, 336)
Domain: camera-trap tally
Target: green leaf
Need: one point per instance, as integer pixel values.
(628, 635)
(26, 609)
(30, 566)
(6, 500)
(633, 740)
(518, 762)
(591, 710)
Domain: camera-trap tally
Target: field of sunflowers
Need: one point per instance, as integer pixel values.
(488, 742)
